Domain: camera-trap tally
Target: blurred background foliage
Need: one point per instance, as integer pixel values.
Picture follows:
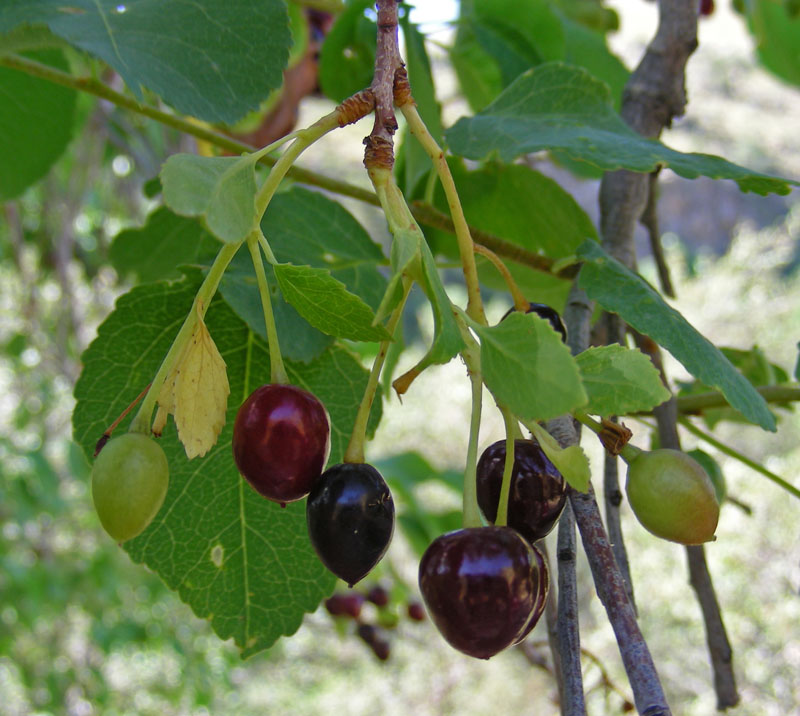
(84, 631)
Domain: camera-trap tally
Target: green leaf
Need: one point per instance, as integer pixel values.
(347, 58)
(620, 380)
(521, 205)
(327, 305)
(237, 559)
(447, 340)
(306, 228)
(621, 291)
(299, 340)
(777, 36)
(220, 190)
(498, 40)
(571, 462)
(557, 106)
(588, 49)
(212, 59)
(528, 368)
(166, 241)
(36, 124)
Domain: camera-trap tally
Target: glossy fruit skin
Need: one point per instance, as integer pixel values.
(549, 314)
(672, 496)
(281, 441)
(544, 590)
(350, 517)
(480, 586)
(538, 491)
(129, 482)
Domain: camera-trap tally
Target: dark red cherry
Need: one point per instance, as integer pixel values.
(281, 441)
(481, 586)
(546, 312)
(378, 596)
(350, 516)
(544, 590)
(345, 605)
(538, 492)
(416, 612)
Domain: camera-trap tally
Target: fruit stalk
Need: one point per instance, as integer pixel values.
(141, 422)
(508, 468)
(305, 138)
(355, 447)
(471, 513)
(463, 236)
(276, 368)
(520, 301)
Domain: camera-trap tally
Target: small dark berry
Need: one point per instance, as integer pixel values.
(378, 596)
(416, 611)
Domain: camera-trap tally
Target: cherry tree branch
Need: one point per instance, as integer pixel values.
(573, 701)
(380, 144)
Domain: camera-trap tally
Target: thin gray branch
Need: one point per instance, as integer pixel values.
(573, 701)
(647, 692)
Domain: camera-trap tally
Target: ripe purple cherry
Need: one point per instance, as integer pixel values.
(281, 441)
(481, 587)
(350, 516)
(538, 492)
(549, 314)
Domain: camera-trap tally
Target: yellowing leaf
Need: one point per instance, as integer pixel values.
(196, 393)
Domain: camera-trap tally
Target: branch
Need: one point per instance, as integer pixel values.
(647, 692)
(696, 404)
(573, 702)
(379, 144)
(89, 85)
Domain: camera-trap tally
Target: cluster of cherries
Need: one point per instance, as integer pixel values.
(281, 442)
(486, 587)
(348, 605)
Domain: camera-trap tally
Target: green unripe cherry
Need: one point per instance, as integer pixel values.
(671, 495)
(129, 482)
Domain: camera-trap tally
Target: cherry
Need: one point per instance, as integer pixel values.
(481, 586)
(129, 482)
(416, 612)
(378, 596)
(350, 516)
(281, 441)
(538, 492)
(345, 605)
(672, 496)
(546, 312)
(371, 635)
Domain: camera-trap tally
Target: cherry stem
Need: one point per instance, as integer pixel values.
(730, 452)
(358, 436)
(277, 370)
(471, 356)
(508, 467)
(521, 303)
(305, 138)
(141, 422)
(463, 236)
